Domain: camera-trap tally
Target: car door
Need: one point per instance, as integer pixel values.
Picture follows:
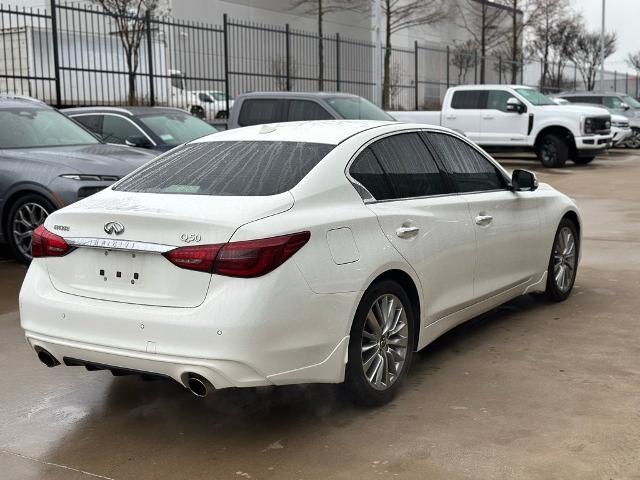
(506, 223)
(463, 115)
(422, 218)
(498, 126)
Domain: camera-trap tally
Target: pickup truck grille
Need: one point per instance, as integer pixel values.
(601, 125)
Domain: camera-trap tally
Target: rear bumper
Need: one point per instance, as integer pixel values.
(268, 331)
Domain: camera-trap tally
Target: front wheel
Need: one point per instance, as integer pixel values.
(552, 151)
(27, 214)
(563, 264)
(634, 140)
(380, 346)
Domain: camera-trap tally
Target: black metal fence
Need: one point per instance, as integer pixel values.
(73, 55)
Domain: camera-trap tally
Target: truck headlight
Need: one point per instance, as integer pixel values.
(588, 125)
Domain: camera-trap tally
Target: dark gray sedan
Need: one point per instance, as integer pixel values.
(48, 161)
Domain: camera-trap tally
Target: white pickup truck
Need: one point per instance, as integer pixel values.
(514, 117)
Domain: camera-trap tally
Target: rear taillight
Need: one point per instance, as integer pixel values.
(247, 259)
(197, 257)
(47, 244)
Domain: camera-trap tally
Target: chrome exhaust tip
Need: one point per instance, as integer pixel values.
(48, 359)
(199, 386)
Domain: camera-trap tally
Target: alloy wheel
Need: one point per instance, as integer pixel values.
(564, 259)
(385, 339)
(549, 152)
(26, 219)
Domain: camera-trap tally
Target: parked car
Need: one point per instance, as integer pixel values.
(48, 161)
(213, 103)
(154, 128)
(619, 103)
(292, 253)
(620, 129)
(272, 107)
(514, 117)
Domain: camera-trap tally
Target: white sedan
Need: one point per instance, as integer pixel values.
(292, 253)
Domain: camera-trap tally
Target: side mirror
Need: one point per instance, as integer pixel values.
(624, 106)
(138, 141)
(514, 105)
(523, 181)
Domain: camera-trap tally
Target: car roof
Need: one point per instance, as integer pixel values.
(330, 132)
(132, 111)
(489, 86)
(296, 95)
(20, 101)
(593, 94)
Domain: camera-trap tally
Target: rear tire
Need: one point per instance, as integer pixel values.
(584, 160)
(381, 345)
(25, 215)
(563, 263)
(552, 151)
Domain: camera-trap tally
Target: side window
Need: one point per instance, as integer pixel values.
(92, 123)
(497, 100)
(258, 111)
(203, 97)
(469, 170)
(469, 99)
(117, 129)
(366, 170)
(586, 99)
(409, 166)
(306, 110)
(613, 102)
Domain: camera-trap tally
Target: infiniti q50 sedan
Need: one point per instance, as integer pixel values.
(324, 251)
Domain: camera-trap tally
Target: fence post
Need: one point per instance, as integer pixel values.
(575, 76)
(337, 62)
(287, 55)
(56, 58)
(415, 73)
(448, 63)
(225, 32)
(152, 87)
(615, 82)
(475, 67)
(500, 69)
(626, 82)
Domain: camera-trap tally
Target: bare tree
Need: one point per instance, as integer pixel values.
(587, 54)
(482, 19)
(564, 37)
(129, 17)
(633, 60)
(523, 15)
(463, 57)
(549, 13)
(319, 8)
(400, 15)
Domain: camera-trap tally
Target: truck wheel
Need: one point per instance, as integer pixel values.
(552, 151)
(584, 160)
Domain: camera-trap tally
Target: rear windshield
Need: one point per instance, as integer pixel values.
(239, 168)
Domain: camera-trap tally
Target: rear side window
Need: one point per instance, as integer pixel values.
(586, 99)
(306, 110)
(91, 122)
(366, 170)
(249, 168)
(469, 170)
(259, 111)
(469, 99)
(411, 169)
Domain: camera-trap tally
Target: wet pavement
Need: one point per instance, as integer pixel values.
(532, 390)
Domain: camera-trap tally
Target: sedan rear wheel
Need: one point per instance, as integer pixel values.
(27, 214)
(380, 347)
(563, 264)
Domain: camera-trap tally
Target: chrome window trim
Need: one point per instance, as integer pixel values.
(118, 245)
(119, 116)
(373, 200)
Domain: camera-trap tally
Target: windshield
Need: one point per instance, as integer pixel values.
(535, 97)
(231, 168)
(356, 108)
(29, 128)
(176, 128)
(632, 102)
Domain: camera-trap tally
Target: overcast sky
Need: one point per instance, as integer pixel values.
(621, 17)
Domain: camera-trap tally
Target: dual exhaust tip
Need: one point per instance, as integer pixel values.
(198, 385)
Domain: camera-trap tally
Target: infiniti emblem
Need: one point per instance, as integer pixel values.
(113, 228)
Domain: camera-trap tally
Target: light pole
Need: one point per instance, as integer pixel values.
(377, 53)
(602, 49)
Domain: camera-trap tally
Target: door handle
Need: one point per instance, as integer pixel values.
(488, 117)
(483, 220)
(451, 117)
(407, 232)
